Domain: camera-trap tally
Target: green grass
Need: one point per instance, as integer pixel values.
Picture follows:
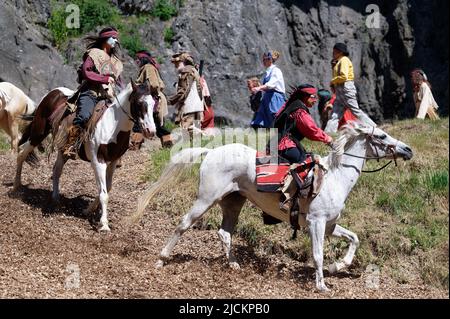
(400, 214)
(4, 142)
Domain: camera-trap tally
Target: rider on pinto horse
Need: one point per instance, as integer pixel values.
(98, 74)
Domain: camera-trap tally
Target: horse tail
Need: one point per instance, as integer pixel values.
(25, 135)
(31, 107)
(172, 171)
(30, 111)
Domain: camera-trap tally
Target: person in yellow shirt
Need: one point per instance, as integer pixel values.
(344, 88)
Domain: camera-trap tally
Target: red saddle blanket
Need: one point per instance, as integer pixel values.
(271, 171)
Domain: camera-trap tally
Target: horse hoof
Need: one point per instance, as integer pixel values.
(104, 229)
(159, 264)
(332, 269)
(323, 288)
(16, 187)
(235, 266)
(335, 267)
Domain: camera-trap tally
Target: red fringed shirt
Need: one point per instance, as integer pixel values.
(307, 127)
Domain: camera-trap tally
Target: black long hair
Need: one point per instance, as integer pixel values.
(94, 41)
(146, 60)
(292, 104)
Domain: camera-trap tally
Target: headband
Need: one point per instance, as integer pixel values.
(109, 34)
(310, 91)
(143, 55)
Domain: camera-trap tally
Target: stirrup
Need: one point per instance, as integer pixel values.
(286, 205)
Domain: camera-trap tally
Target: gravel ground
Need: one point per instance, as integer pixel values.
(42, 248)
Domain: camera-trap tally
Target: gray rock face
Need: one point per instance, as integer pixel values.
(27, 58)
(230, 36)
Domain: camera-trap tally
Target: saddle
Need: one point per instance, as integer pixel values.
(299, 182)
(62, 122)
(305, 190)
(97, 114)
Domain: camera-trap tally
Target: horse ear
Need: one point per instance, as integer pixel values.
(133, 85)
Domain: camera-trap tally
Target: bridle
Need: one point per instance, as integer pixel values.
(376, 141)
(123, 110)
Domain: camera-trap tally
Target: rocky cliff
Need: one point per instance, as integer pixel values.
(232, 35)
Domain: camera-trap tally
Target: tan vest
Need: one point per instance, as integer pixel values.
(150, 73)
(194, 98)
(105, 65)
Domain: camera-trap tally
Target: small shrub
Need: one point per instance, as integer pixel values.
(168, 35)
(131, 43)
(164, 9)
(160, 60)
(93, 13)
(57, 26)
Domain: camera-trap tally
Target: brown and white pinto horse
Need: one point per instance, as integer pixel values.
(13, 104)
(103, 147)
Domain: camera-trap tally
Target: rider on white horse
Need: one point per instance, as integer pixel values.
(294, 123)
(99, 72)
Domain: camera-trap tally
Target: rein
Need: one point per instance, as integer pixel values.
(391, 149)
(123, 110)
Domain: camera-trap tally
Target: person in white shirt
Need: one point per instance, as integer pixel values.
(274, 92)
(423, 98)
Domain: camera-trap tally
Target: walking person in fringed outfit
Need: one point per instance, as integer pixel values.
(274, 92)
(423, 98)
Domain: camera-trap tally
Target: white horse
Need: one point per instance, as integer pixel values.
(13, 104)
(227, 177)
(104, 147)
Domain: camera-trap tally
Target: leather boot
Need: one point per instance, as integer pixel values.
(70, 149)
(286, 204)
(136, 141)
(166, 141)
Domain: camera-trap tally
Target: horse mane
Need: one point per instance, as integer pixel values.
(347, 136)
(4, 98)
(121, 96)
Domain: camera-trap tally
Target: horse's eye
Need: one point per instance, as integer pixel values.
(383, 136)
